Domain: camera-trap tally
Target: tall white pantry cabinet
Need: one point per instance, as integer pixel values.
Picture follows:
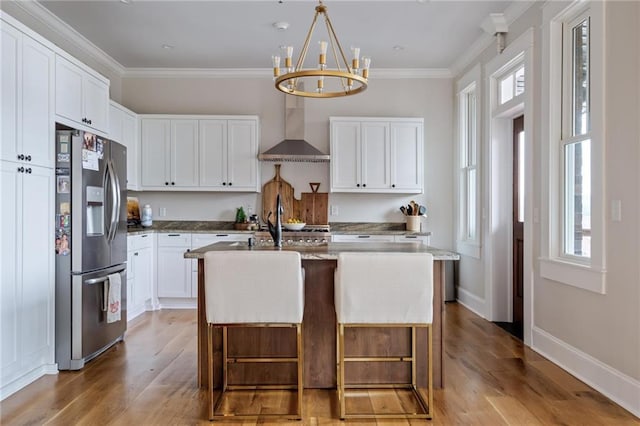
(27, 285)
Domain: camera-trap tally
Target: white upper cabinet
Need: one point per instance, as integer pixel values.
(81, 97)
(376, 155)
(27, 99)
(169, 153)
(205, 153)
(228, 154)
(407, 156)
(123, 128)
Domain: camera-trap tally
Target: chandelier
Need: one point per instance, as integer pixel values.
(346, 79)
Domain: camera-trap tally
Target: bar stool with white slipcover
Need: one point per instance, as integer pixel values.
(384, 290)
(253, 289)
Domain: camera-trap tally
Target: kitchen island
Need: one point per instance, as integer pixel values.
(319, 325)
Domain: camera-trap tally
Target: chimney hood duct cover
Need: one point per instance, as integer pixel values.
(294, 148)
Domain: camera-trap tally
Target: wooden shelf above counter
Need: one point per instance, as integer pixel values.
(319, 322)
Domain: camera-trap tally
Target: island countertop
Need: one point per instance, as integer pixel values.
(328, 251)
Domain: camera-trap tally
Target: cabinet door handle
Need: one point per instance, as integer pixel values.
(173, 235)
(230, 183)
(20, 157)
(28, 170)
(358, 185)
(166, 183)
(173, 183)
(393, 186)
(144, 236)
(364, 185)
(224, 183)
(364, 236)
(135, 254)
(28, 158)
(20, 169)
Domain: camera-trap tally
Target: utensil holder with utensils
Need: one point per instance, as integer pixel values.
(413, 223)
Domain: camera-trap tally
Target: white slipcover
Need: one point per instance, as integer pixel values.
(253, 287)
(384, 288)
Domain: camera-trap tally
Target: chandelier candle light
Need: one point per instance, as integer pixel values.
(347, 79)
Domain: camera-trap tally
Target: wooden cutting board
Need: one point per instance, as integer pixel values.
(270, 191)
(314, 207)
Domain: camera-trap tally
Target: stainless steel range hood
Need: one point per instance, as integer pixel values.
(294, 148)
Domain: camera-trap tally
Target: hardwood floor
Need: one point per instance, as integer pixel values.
(490, 379)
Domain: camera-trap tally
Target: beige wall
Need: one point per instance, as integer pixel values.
(605, 327)
(427, 98)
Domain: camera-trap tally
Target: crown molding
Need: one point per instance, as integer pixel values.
(266, 73)
(42, 14)
(514, 11)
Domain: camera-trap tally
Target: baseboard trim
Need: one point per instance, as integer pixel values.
(178, 303)
(619, 387)
(470, 301)
(26, 379)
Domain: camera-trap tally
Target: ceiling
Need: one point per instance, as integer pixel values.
(239, 34)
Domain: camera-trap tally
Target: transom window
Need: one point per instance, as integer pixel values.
(511, 84)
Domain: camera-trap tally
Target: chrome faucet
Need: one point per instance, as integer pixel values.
(276, 230)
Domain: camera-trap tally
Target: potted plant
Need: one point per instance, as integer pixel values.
(241, 219)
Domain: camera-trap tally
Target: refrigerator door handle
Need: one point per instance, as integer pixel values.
(118, 199)
(115, 197)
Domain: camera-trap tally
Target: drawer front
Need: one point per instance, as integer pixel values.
(174, 239)
(362, 238)
(137, 242)
(424, 239)
(201, 240)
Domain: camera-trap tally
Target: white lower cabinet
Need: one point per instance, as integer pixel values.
(201, 240)
(27, 271)
(174, 271)
(140, 273)
(362, 238)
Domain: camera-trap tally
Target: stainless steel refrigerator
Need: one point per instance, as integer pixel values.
(91, 244)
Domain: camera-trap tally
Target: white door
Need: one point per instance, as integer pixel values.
(375, 156)
(242, 155)
(115, 124)
(96, 103)
(130, 140)
(154, 153)
(37, 103)
(10, 54)
(345, 155)
(10, 274)
(184, 153)
(406, 156)
(37, 259)
(143, 264)
(213, 153)
(174, 272)
(68, 90)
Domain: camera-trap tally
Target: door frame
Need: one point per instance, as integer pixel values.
(498, 153)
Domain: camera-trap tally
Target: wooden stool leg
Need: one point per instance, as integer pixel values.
(210, 369)
(340, 378)
(300, 369)
(430, 369)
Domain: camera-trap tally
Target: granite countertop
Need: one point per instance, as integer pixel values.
(328, 251)
(210, 227)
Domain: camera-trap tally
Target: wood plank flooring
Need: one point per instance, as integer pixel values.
(491, 379)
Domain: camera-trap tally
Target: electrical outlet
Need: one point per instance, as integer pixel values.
(334, 210)
(163, 212)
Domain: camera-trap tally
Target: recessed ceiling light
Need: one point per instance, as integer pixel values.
(125, 1)
(167, 46)
(398, 47)
(281, 26)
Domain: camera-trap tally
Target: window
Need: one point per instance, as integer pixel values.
(468, 107)
(574, 244)
(576, 139)
(511, 85)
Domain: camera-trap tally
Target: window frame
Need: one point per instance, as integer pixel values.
(468, 162)
(588, 273)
